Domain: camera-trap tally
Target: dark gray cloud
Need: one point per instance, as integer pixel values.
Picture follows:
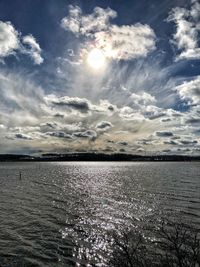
(170, 142)
(75, 102)
(90, 134)
(166, 120)
(19, 136)
(80, 104)
(104, 125)
(164, 134)
(155, 116)
(52, 125)
(122, 143)
(59, 115)
(188, 142)
(145, 141)
(59, 135)
(193, 120)
(111, 108)
(23, 136)
(186, 149)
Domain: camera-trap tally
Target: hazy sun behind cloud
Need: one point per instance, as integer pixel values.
(125, 42)
(96, 59)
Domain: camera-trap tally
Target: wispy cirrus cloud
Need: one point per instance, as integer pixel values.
(88, 124)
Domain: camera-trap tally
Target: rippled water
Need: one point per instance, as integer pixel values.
(59, 212)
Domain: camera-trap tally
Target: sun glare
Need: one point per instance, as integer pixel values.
(96, 59)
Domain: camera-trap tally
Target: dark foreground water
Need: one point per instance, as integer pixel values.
(58, 212)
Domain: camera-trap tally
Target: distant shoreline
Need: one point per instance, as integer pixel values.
(53, 157)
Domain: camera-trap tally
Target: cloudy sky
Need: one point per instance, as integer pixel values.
(107, 76)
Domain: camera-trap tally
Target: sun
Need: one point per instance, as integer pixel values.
(96, 59)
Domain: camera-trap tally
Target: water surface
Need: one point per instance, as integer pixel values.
(59, 211)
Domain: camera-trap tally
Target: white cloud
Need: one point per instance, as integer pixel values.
(9, 39)
(143, 99)
(10, 43)
(105, 105)
(89, 24)
(187, 30)
(118, 42)
(126, 42)
(190, 91)
(33, 49)
(129, 114)
(72, 23)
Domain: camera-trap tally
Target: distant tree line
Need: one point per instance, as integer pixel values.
(96, 157)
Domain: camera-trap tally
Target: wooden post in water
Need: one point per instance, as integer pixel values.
(20, 175)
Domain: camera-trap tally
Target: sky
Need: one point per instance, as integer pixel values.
(100, 76)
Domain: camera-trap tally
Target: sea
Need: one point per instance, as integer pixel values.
(62, 213)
